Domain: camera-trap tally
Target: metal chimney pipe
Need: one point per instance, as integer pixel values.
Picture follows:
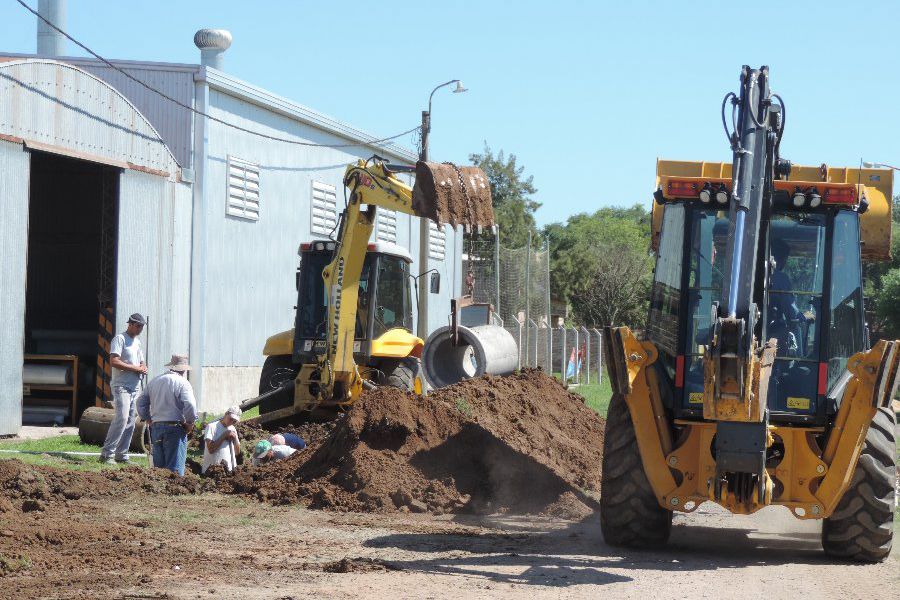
(212, 43)
(49, 41)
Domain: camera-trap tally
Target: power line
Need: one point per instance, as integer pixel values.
(200, 112)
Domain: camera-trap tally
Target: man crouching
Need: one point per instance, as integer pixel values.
(220, 441)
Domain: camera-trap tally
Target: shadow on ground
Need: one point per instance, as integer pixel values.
(547, 553)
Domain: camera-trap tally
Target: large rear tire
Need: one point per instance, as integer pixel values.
(407, 375)
(861, 527)
(276, 371)
(630, 515)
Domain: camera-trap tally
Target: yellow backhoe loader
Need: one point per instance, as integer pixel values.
(756, 384)
(353, 327)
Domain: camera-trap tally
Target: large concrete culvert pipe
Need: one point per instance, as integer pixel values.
(482, 350)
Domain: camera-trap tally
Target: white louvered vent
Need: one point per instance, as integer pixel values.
(324, 209)
(437, 241)
(243, 189)
(387, 225)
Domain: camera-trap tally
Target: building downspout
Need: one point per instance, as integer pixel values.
(198, 235)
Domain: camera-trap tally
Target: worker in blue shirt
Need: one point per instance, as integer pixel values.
(167, 405)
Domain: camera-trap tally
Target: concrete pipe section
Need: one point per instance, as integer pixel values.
(482, 350)
(94, 424)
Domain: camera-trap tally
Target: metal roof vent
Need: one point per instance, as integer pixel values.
(212, 43)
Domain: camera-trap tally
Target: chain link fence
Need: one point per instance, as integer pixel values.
(516, 281)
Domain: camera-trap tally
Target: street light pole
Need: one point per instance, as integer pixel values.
(424, 230)
(870, 165)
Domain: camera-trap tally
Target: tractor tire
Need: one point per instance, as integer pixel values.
(630, 514)
(861, 527)
(276, 371)
(407, 375)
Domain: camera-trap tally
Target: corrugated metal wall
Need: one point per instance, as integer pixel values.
(153, 274)
(172, 122)
(14, 177)
(250, 264)
(60, 105)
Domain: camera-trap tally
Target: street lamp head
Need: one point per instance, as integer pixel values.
(869, 165)
(459, 88)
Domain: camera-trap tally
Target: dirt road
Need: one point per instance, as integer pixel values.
(234, 547)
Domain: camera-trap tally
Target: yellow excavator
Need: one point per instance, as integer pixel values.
(353, 326)
(756, 384)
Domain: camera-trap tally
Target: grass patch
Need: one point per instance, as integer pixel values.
(60, 443)
(11, 564)
(596, 395)
(72, 463)
(464, 407)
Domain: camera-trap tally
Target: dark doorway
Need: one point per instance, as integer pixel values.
(71, 274)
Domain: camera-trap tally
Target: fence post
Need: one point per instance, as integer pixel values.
(519, 343)
(587, 355)
(562, 364)
(599, 356)
(577, 372)
(497, 268)
(534, 358)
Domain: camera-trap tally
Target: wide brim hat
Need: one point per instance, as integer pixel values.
(179, 362)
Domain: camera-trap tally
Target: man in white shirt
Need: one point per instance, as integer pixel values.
(127, 361)
(220, 441)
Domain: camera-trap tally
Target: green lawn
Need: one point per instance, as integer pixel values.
(596, 395)
(49, 451)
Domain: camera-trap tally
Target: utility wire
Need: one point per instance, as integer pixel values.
(200, 112)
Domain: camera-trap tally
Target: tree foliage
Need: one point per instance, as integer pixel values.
(512, 193)
(601, 266)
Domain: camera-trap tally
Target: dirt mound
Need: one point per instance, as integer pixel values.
(519, 443)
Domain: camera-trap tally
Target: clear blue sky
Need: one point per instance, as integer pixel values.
(586, 94)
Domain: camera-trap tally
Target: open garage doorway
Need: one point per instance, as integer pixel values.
(71, 277)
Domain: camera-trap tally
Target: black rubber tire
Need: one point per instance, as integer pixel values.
(862, 526)
(630, 515)
(276, 370)
(405, 374)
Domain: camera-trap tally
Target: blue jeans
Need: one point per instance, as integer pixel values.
(169, 447)
(118, 438)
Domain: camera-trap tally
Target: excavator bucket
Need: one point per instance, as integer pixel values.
(446, 193)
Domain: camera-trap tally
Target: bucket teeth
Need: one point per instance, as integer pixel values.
(446, 193)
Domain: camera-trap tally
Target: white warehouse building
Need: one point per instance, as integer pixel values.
(116, 200)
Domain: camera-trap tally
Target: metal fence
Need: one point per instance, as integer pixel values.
(573, 353)
(517, 282)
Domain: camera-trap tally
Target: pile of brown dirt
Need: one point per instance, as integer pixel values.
(520, 443)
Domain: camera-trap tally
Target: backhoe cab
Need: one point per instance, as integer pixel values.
(756, 384)
(384, 346)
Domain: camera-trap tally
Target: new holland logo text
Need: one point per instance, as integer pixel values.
(336, 301)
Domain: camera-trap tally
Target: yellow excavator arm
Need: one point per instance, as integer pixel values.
(443, 192)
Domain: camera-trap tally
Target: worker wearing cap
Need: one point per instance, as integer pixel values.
(265, 452)
(220, 441)
(127, 360)
(167, 404)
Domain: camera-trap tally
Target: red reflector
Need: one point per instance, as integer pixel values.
(679, 371)
(682, 188)
(823, 378)
(839, 196)
(305, 246)
(371, 246)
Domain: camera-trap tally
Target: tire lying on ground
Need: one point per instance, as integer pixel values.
(861, 527)
(276, 371)
(629, 512)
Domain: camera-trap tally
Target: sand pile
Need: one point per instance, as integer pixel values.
(520, 443)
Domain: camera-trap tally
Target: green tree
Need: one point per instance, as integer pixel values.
(601, 266)
(887, 303)
(512, 193)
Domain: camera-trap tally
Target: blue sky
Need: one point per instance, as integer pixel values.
(586, 94)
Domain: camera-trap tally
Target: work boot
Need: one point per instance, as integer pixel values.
(124, 461)
(107, 460)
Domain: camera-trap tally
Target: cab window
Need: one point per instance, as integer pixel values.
(846, 323)
(392, 298)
